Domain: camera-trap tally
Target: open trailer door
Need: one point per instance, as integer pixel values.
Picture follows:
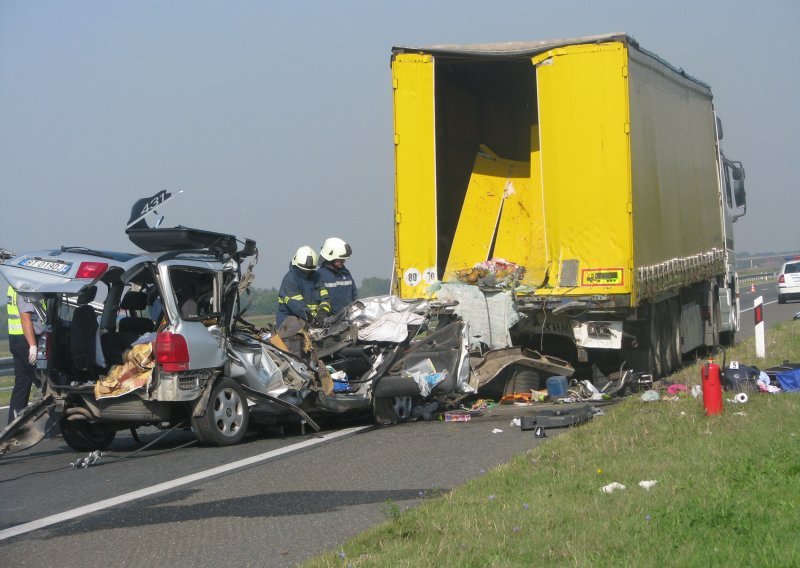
(415, 174)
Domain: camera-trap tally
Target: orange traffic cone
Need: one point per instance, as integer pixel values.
(753, 288)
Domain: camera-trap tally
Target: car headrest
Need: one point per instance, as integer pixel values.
(86, 295)
(134, 301)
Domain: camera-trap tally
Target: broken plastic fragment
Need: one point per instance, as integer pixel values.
(611, 487)
(650, 396)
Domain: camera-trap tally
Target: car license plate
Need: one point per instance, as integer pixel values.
(50, 266)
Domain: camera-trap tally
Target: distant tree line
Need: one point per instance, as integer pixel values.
(264, 301)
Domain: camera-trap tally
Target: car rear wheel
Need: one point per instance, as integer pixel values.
(83, 436)
(226, 418)
(392, 410)
(781, 299)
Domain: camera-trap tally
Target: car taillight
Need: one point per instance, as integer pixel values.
(91, 269)
(172, 352)
(781, 279)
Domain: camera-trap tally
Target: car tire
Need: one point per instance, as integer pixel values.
(781, 299)
(226, 417)
(392, 409)
(84, 436)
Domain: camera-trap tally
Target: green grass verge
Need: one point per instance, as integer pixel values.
(727, 491)
(5, 395)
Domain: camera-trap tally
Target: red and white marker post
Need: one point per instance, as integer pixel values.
(758, 311)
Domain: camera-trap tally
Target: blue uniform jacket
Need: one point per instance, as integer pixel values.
(340, 285)
(301, 294)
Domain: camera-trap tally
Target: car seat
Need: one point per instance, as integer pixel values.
(83, 333)
(133, 325)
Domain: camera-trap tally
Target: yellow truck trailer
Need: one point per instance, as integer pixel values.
(592, 168)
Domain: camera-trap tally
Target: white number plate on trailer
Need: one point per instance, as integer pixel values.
(60, 267)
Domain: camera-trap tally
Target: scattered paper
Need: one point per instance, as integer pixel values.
(647, 484)
(496, 431)
(611, 487)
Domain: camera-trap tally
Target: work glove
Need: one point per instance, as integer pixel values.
(319, 318)
(32, 354)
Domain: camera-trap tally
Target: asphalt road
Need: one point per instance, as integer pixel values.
(774, 312)
(296, 497)
(277, 511)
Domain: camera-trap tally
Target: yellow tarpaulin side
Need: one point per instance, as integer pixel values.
(585, 154)
(415, 190)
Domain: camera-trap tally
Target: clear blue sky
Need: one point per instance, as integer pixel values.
(275, 117)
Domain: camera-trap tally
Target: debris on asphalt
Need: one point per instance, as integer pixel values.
(457, 417)
(87, 461)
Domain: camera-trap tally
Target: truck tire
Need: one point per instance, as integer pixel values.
(716, 322)
(727, 338)
(654, 358)
(392, 409)
(226, 418)
(674, 343)
(84, 436)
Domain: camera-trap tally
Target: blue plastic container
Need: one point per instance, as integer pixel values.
(557, 387)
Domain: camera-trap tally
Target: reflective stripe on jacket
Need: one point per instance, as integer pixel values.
(340, 285)
(14, 323)
(300, 295)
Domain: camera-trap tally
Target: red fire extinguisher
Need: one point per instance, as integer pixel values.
(712, 388)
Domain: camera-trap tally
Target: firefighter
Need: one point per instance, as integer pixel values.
(302, 294)
(336, 278)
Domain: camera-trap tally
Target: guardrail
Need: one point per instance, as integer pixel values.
(6, 366)
(758, 277)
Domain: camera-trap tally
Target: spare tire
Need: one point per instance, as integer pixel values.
(85, 436)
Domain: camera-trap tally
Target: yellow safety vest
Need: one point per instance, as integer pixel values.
(14, 323)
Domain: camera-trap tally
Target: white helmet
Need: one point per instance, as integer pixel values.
(335, 249)
(305, 258)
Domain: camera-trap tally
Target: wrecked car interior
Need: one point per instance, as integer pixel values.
(162, 339)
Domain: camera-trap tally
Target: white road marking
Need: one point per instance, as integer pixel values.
(750, 309)
(167, 485)
(4, 407)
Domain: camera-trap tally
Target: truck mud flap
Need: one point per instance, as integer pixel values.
(494, 362)
(28, 428)
(557, 417)
(288, 405)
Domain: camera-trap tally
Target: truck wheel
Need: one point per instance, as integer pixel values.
(716, 322)
(83, 436)
(727, 338)
(655, 359)
(674, 342)
(392, 410)
(227, 415)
